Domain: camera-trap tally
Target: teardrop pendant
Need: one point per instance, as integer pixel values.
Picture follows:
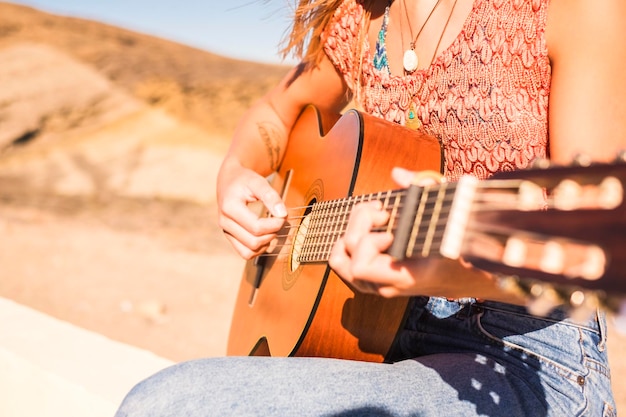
(410, 60)
(412, 121)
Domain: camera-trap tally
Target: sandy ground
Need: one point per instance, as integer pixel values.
(161, 290)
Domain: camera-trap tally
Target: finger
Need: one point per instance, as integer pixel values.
(261, 190)
(370, 263)
(240, 238)
(402, 177)
(406, 178)
(368, 260)
(356, 271)
(247, 222)
(244, 251)
(339, 260)
(235, 209)
(363, 218)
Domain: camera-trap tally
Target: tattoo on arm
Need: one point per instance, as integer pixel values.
(270, 136)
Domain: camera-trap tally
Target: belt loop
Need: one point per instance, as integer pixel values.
(471, 308)
(601, 320)
(476, 308)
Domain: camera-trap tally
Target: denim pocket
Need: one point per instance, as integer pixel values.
(569, 357)
(558, 343)
(544, 347)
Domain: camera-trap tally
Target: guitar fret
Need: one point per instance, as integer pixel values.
(328, 221)
(328, 240)
(340, 228)
(435, 216)
(444, 218)
(319, 216)
(331, 230)
(321, 237)
(433, 221)
(394, 211)
(426, 216)
(385, 204)
(310, 233)
(385, 207)
(418, 221)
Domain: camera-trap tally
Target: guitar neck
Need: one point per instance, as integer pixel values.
(425, 221)
(525, 224)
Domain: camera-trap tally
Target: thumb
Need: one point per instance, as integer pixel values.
(272, 201)
(405, 177)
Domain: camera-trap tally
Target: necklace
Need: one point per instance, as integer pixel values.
(409, 59)
(412, 121)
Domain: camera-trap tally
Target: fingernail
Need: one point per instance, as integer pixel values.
(280, 210)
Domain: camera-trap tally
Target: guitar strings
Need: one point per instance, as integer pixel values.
(330, 218)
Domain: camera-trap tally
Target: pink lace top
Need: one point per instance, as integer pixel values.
(485, 96)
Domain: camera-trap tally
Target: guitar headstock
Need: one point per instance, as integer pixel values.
(556, 233)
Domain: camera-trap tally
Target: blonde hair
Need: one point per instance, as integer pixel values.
(309, 21)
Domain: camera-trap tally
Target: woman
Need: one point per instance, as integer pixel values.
(500, 83)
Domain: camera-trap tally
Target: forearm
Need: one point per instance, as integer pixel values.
(262, 134)
(259, 140)
(453, 279)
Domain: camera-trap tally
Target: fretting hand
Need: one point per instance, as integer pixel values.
(359, 257)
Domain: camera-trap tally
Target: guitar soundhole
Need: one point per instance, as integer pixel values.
(292, 267)
(298, 241)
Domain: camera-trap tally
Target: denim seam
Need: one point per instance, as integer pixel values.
(565, 323)
(609, 411)
(565, 372)
(596, 366)
(588, 362)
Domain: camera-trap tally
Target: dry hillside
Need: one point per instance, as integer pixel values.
(208, 89)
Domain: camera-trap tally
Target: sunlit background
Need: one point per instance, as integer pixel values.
(246, 29)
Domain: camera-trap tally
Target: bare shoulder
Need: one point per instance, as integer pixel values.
(586, 42)
(586, 25)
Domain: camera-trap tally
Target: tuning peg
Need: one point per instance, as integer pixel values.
(583, 305)
(582, 160)
(511, 285)
(621, 156)
(531, 196)
(544, 298)
(620, 318)
(541, 163)
(611, 193)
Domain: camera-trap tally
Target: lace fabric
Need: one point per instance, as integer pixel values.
(485, 96)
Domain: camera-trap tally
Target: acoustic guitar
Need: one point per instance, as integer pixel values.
(559, 225)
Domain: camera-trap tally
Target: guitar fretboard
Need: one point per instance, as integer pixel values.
(418, 218)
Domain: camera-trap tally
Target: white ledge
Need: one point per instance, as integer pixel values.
(51, 368)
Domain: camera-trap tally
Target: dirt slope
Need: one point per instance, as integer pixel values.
(208, 89)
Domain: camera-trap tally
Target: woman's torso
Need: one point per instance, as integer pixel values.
(485, 96)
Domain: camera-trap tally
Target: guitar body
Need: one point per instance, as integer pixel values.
(288, 309)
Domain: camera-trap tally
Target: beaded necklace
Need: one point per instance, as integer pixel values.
(380, 56)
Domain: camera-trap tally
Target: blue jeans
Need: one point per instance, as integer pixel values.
(454, 358)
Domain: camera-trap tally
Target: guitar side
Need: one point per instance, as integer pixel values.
(306, 310)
